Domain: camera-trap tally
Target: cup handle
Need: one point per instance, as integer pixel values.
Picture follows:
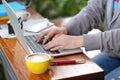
(51, 57)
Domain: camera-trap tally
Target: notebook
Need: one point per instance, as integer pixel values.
(21, 38)
(14, 7)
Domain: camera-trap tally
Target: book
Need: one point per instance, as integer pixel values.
(14, 5)
(3, 13)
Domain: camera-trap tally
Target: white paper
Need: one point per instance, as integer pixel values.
(37, 25)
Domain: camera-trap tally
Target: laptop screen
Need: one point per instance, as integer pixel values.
(16, 25)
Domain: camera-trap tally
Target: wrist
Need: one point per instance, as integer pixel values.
(81, 41)
(64, 29)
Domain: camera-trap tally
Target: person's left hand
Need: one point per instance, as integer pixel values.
(62, 42)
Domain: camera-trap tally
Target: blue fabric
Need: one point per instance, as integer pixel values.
(109, 64)
(114, 75)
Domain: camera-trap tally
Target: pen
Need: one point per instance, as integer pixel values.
(65, 62)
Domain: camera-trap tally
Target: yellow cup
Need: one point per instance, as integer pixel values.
(38, 63)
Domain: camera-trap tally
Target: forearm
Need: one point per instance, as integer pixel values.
(108, 41)
(79, 41)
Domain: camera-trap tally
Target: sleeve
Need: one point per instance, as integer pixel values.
(108, 41)
(92, 16)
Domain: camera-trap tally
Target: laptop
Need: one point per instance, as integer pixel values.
(24, 42)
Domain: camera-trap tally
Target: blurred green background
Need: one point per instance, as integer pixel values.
(54, 9)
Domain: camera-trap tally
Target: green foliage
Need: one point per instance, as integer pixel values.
(58, 8)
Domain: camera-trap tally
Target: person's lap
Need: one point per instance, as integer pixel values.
(108, 64)
(113, 75)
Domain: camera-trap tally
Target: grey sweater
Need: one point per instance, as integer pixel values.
(93, 16)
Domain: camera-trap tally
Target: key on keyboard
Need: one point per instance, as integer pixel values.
(36, 47)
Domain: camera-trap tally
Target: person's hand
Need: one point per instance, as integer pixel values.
(50, 33)
(64, 42)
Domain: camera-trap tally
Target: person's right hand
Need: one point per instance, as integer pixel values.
(50, 33)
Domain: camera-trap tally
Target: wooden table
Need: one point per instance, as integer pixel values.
(13, 59)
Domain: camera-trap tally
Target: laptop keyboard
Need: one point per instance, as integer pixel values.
(37, 47)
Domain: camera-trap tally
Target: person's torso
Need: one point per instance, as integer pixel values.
(112, 14)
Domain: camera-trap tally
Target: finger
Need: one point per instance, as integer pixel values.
(50, 45)
(49, 36)
(56, 36)
(41, 36)
(56, 48)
